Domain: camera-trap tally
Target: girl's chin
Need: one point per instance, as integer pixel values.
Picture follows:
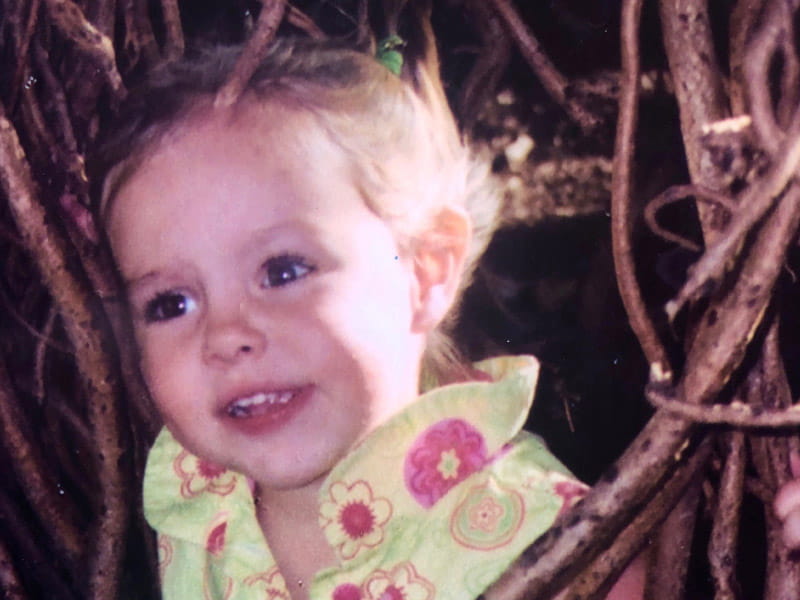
(271, 486)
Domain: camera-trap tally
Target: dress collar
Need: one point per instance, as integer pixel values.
(191, 499)
(496, 407)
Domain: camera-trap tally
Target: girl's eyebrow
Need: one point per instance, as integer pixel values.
(155, 272)
(303, 226)
(276, 236)
(139, 280)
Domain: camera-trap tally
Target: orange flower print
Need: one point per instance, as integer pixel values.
(271, 582)
(401, 583)
(353, 519)
(199, 476)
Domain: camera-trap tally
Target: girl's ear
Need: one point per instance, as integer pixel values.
(438, 260)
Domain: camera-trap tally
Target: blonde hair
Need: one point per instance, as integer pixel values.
(383, 124)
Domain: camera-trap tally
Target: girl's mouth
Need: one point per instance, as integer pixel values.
(257, 413)
(259, 403)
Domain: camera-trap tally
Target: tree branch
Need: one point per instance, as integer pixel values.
(553, 81)
(58, 517)
(271, 15)
(74, 163)
(744, 15)
(754, 203)
(174, 44)
(719, 346)
(688, 40)
(674, 194)
(303, 22)
(23, 46)
(603, 572)
(10, 583)
(735, 414)
(621, 198)
(756, 69)
(725, 532)
(20, 537)
(731, 320)
(139, 37)
(72, 23)
(666, 577)
(490, 64)
(74, 303)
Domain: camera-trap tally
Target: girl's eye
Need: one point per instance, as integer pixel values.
(168, 305)
(283, 269)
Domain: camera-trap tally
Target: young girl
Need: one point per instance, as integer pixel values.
(291, 263)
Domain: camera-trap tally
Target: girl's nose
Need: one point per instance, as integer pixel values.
(232, 337)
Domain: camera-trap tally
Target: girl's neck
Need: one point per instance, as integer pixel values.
(293, 504)
(289, 521)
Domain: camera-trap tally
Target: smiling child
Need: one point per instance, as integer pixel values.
(292, 264)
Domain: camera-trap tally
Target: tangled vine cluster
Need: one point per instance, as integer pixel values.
(75, 421)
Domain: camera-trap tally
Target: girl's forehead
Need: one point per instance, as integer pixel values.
(251, 136)
(221, 154)
(202, 128)
(249, 121)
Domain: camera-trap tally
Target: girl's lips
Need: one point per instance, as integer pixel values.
(259, 412)
(257, 403)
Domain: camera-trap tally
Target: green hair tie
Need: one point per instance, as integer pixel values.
(389, 53)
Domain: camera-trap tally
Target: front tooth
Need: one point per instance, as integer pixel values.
(252, 400)
(242, 406)
(269, 398)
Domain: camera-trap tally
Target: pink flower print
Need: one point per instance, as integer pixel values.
(486, 514)
(215, 534)
(353, 518)
(271, 582)
(215, 542)
(442, 456)
(347, 591)
(401, 583)
(199, 476)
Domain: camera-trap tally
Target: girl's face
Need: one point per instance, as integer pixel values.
(277, 320)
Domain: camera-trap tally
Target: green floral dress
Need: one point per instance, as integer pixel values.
(434, 504)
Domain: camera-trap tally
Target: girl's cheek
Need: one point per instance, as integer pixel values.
(787, 509)
(791, 530)
(788, 499)
(157, 360)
